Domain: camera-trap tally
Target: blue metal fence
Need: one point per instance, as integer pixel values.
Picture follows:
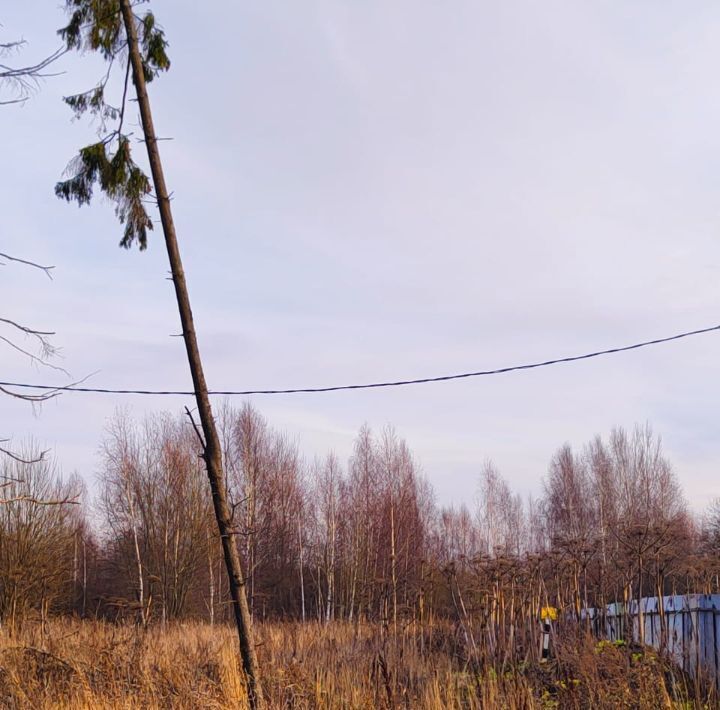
(686, 626)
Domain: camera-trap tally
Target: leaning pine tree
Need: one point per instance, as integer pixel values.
(138, 46)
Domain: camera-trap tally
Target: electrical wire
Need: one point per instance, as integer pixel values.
(370, 385)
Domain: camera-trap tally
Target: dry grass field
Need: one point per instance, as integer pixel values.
(78, 665)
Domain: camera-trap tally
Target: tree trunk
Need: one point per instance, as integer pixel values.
(84, 583)
(393, 571)
(212, 450)
(138, 559)
(211, 579)
(302, 580)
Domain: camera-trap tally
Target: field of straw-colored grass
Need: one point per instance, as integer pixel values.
(88, 664)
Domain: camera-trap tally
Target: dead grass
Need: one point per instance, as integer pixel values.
(84, 665)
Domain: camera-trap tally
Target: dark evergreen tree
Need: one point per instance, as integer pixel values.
(138, 46)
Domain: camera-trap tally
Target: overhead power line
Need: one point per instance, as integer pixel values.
(371, 385)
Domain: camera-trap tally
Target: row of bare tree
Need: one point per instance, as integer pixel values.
(318, 541)
(365, 541)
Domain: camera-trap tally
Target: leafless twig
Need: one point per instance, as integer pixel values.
(37, 398)
(24, 78)
(44, 396)
(22, 460)
(195, 427)
(48, 351)
(40, 501)
(46, 269)
(26, 329)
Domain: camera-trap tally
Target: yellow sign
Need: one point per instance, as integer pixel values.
(548, 613)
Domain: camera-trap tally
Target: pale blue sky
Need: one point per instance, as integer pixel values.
(396, 189)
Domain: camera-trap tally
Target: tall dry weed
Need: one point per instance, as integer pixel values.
(83, 665)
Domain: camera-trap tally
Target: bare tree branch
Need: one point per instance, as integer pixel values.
(49, 394)
(20, 459)
(10, 479)
(40, 501)
(23, 79)
(31, 397)
(38, 359)
(197, 431)
(26, 329)
(46, 269)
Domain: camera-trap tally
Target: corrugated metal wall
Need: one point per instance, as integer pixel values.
(686, 626)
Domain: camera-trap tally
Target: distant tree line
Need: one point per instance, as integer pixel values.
(362, 540)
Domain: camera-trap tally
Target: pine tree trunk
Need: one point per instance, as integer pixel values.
(212, 450)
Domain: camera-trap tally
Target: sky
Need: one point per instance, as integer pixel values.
(393, 189)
